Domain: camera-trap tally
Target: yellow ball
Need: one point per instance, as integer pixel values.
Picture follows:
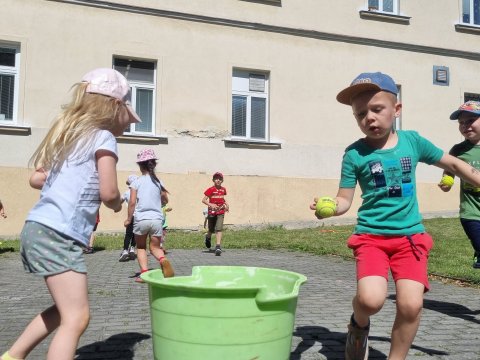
(447, 180)
(326, 207)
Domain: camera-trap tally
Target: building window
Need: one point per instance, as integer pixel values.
(471, 97)
(250, 105)
(9, 82)
(141, 77)
(471, 12)
(397, 125)
(387, 6)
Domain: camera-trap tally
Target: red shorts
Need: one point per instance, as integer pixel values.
(405, 256)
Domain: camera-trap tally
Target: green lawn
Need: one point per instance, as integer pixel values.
(451, 256)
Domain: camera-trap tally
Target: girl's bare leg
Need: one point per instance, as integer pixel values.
(70, 315)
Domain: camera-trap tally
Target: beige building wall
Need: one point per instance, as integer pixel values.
(310, 49)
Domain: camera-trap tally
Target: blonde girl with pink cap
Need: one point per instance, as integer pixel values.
(147, 194)
(76, 172)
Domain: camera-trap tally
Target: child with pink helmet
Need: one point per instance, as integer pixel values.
(147, 194)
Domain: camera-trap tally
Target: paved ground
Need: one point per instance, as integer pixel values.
(120, 324)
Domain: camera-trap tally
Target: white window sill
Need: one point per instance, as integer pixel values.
(467, 28)
(15, 130)
(142, 139)
(251, 144)
(271, 2)
(382, 16)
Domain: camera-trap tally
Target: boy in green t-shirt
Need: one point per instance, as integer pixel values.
(468, 115)
(389, 233)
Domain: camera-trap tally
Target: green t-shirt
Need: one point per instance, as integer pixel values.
(387, 180)
(469, 194)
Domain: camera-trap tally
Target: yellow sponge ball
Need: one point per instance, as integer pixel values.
(326, 207)
(447, 180)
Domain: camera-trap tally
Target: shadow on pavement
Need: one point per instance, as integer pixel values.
(119, 347)
(7, 249)
(333, 343)
(450, 309)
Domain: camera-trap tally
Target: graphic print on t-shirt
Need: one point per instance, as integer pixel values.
(376, 169)
(393, 175)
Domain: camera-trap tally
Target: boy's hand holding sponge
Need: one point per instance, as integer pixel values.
(325, 207)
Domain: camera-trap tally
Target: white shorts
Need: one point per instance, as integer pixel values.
(148, 227)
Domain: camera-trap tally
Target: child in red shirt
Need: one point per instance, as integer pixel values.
(217, 206)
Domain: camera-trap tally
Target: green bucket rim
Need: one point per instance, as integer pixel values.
(262, 293)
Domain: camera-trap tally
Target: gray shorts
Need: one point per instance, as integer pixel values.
(46, 252)
(148, 227)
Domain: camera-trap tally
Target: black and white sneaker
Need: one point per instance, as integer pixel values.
(218, 251)
(208, 242)
(476, 261)
(124, 256)
(131, 253)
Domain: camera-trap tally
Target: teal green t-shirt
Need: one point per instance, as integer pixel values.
(387, 180)
(469, 195)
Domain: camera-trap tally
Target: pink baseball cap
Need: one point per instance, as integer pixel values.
(111, 83)
(146, 154)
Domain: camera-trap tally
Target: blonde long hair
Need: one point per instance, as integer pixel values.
(78, 120)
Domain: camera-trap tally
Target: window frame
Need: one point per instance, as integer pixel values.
(138, 85)
(249, 94)
(15, 71)
(469, 96)
(471, 13)
(395, 11)
(397, 124)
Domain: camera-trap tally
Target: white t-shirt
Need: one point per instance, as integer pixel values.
(70, 198)
(149, 202)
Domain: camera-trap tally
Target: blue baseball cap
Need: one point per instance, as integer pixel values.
(367, 82)
(472, 107)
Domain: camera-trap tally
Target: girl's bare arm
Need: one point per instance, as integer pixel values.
(107, 176)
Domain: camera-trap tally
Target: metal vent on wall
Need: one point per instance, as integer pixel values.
(441, 75)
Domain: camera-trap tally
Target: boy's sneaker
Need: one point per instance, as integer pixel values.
(476, 261)
(131, 253)
(124, 256)
(218, 251)
(208, 242)
(356, 345)
(88, 250)
(167, 268)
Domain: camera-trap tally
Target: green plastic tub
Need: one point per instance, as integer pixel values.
(223, 313)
